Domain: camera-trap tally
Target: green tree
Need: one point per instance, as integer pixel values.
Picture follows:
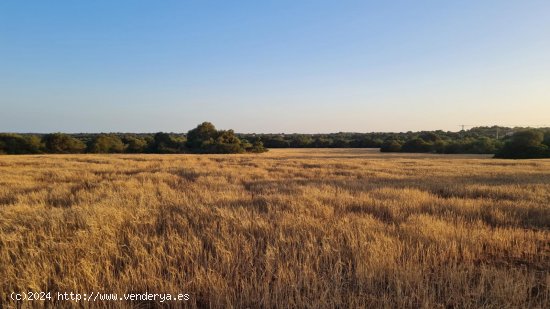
(546, 140)
(429, 137)
(339, 143)
(485, 145)
(226, 142)
(62, 143)
(366, 142)
(301, 141)
(321, 142)
(258, 147)
(416, 145)
(206, 139)
(106, 143)
(164, 143)
(20, 144)
(456, 146)
(526, 144)
(391, 145)
(246, 145)
(202, 136)
(134, 144)
(276, 142)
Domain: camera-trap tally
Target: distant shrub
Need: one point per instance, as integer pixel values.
(206, 139)
(257, 147)
(485, 145)
(416, 145)
(527, 144)
(321, 142)
(480, 145)
(366, 142)
(62, 143)
(339, 143)
(546, 140)
(429, 137)
(19, 144)
(165, 143)
(134, 144)
(279, 142)
(225, 142)
(301, 141)
(106, 143)
(391, 146)
(202, 137)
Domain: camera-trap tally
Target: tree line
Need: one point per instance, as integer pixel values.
(522, 144)
(502, 141)
(475, 140)
(205, 138)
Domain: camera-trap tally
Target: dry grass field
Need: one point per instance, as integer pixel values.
(288, 228)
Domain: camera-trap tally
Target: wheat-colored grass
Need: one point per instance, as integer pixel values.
(289, 228)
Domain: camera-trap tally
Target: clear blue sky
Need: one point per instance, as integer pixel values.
(272, 66)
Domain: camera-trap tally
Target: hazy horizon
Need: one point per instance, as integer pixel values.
(273, 67)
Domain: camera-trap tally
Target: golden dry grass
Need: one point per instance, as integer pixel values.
(289, 228)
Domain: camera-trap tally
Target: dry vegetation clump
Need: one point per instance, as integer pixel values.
(289, 228)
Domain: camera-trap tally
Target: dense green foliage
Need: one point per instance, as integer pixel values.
(527, 144)
(205, 138)
(202, 136)
(19, 144)
(106, 143)
(475, 140)
(166, 143)
(479, 140)
(135, 144)
(391, 145)
(62, 143)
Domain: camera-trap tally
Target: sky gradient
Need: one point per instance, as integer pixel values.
(272, 66)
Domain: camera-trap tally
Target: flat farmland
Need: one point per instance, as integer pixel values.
(317, 228)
